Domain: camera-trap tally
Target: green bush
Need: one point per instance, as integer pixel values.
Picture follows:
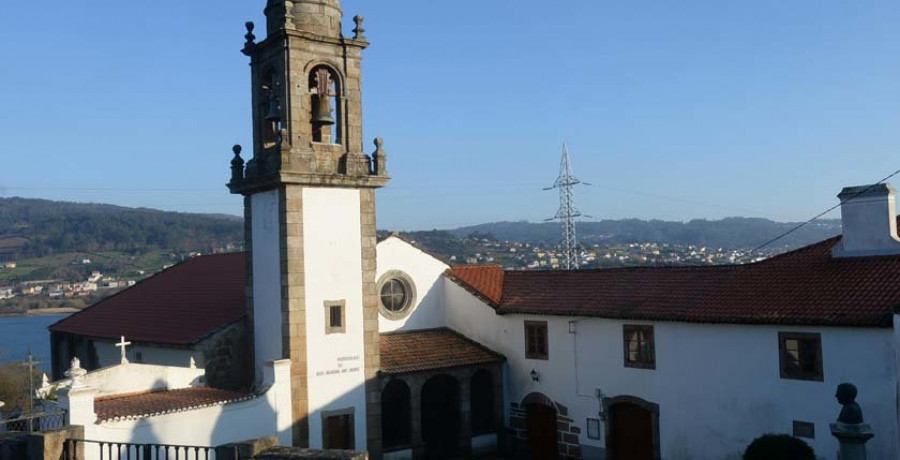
(778, 447)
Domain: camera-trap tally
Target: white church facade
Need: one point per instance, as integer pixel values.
(323, 337)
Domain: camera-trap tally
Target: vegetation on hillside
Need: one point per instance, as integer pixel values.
(53, 227)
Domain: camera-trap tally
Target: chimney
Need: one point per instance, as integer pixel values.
(869, 222)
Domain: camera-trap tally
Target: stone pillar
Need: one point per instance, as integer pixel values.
(853, 439)
(465, 414)
(50, 445)
(415, 406)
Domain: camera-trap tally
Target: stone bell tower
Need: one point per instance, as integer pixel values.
(309, 204)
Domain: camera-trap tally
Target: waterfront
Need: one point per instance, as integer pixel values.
(18, 334)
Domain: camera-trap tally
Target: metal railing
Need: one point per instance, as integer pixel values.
(35, 422)
(80, 449)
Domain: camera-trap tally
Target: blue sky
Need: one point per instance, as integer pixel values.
(673, 110)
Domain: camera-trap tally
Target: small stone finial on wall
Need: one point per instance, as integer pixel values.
(250, 43)
(237, 165)
(379, 158)
(359, 33)
(75, 372)
(849, 429)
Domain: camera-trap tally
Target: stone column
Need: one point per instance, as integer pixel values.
(465, 413)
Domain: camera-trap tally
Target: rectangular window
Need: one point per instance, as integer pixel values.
(536, 340)
(335, 317)
(800, 356)
(593, 428)
(804, 430)
(640, 350)
(337, 430)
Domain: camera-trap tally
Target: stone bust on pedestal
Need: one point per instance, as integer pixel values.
(849, 429)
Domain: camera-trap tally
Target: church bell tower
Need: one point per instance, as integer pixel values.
(309, 206)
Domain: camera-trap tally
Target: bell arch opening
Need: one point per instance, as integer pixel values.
(326, 115)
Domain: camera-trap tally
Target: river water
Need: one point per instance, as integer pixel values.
(18, 334)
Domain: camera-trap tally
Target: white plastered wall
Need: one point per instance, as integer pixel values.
(266, 278)
(426, 272)
(717, 386)
(332, 245)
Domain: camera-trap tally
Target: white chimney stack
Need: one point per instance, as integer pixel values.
(869, 222)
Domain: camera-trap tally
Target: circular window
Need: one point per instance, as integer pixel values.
(396, 293)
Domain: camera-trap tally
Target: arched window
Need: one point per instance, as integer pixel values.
(270, 112)
(395, 414)
(482, 398)
(325, 91)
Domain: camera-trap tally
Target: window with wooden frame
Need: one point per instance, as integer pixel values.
(800, 356)
(336, 317)
(640, 348)
(536, 340)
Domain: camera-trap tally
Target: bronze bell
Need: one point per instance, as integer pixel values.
(273, 115)
(322, 113)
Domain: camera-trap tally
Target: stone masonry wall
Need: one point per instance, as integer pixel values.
(567, 434)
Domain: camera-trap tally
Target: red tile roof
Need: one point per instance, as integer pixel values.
(178, 306)
(802, 287)
(149, 404)
(425, 350)
(485, 281)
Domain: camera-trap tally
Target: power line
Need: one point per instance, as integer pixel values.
(798, 227)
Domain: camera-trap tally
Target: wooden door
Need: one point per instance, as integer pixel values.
(631, 435)
(542, 442)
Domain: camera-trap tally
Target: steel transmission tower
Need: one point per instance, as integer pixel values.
(567, 213)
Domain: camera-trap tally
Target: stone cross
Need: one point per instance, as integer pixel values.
(122, 344)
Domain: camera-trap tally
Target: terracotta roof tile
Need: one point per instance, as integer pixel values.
(142, 405)
(802, 287)
(178, 306)
(416, 351)
(486, 281)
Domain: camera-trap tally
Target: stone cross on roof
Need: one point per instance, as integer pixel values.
(122, 344)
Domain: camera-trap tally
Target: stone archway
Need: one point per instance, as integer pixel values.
(632, 428)
(441, 417)
(540, 416)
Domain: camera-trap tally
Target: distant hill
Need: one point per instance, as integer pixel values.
(730, 233)
(36, 228)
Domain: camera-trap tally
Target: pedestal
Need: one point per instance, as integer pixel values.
(853, 439)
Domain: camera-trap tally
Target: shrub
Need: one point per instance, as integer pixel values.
(778, 447)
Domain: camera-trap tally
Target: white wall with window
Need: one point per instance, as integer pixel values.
(717, 386)
(411, 283)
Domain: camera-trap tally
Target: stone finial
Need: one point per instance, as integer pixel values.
(359, 33)
(75, 372)
(237, 165)
(250, 43)
(379, 158)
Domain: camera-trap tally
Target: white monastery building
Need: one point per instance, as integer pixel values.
(324, 338)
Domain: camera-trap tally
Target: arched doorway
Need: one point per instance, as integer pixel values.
(541, 423)
(440, 417)
(633, 429)
(481, 394)
(395, 414)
